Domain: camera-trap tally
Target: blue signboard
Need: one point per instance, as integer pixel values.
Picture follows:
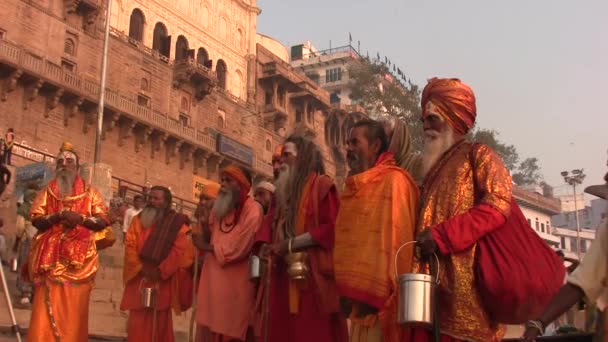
(234, 149)
(31, 172)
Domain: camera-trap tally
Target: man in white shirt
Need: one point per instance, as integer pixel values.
(589, 280)
(138, 204)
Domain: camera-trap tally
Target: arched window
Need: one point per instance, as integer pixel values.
(239, 39)
(205, 16)
(220, 71)
(221, 118)
(238, 84)
(69, 47)
(181, 48)
(223, 28)
(268, 145)
(202, 57)
(184, 107)
(136, 25)
(144, 84)
(161, 41)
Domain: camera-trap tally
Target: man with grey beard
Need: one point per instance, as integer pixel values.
(466, 194)
(71, 220)
(225, 293)
(158, 254)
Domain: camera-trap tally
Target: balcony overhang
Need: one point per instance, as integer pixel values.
(201, 78)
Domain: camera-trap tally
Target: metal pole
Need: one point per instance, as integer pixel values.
(9, 303)
(578, 228)
(102, 90)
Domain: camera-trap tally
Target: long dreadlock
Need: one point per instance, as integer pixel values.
(309, 160)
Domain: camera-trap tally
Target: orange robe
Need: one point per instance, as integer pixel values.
(62, 265)
(448, 194)
(377, 216)
(181, 256)
(225, 294)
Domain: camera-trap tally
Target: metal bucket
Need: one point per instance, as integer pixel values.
(416, 296)
(148, 297)
(416, 300)
(255, 267)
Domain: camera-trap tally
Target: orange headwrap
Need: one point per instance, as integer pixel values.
(278, 151)
(455, 101)
(211, 190)
(237, 175)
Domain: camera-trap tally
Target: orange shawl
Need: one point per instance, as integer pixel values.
(316, 188)
(377, 216)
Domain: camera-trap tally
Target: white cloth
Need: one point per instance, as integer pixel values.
(590, 275)
(129, 215)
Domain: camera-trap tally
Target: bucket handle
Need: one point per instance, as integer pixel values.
(409, 243)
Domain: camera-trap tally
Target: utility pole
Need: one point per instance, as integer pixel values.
(573, 180)
(102, 90)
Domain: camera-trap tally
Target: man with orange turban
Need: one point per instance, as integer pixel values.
(226, 295)
(71, 219)
(466, 194)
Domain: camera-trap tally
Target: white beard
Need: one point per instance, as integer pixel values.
(282, 185)
(65, 182)
(225, 203)
(435, 145)
(149, 216)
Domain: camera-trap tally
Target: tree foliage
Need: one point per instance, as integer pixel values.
(381, 95)
(528, 173)
(525, 173)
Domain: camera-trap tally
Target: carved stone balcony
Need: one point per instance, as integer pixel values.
(310, 91)
(200, 77)
(275, 116)
(280, 71)
(87, 8)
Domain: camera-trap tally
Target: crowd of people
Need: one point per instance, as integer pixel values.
(326, 259)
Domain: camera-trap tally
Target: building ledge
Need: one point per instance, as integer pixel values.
(551, 206)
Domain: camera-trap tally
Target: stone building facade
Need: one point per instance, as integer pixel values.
(190, 88)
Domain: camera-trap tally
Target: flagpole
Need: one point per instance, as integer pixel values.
(102, 86)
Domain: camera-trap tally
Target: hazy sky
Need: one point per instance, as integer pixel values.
(538, 68)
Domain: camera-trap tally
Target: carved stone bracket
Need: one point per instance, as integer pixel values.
(52, 100)
(112, 119)
(202, 89)
(142, 138)
(10, 83)
(71, 108)
(185, 155)
(213, 165)
(158, 140)
(126, 131)
(199, 161)
(172, 147)
(31, 92)
(90, 117)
